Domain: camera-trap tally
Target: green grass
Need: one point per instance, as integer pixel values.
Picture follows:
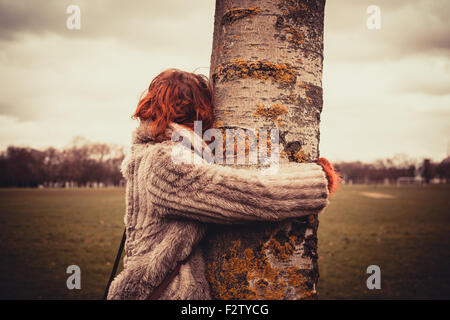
(408, 237)
(44, 231)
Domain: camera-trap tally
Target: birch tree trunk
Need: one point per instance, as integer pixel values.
(266, 66)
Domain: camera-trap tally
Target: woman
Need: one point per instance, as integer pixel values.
(169, 204)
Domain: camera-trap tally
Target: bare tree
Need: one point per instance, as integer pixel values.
(79, 164)
(266, 66)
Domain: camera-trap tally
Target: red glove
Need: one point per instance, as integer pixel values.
(332, 176)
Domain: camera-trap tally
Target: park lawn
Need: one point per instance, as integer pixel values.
(42, 231)
(408, 237)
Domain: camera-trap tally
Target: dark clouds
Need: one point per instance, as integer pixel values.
(43, 63)
(142, 23)
(28, 16)
(407, 28)
(385, 91)
(24, 113)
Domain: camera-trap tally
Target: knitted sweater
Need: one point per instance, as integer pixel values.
(168, 206)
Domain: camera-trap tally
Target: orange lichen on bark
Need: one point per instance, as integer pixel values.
(241, 136)
(301, 156)
(296, 35)
(284, 154)
(251, 143)
(262, 70)
(297, 155)
(272, 113)
(235, 14)
(218, 124)
(304, 85)
(288, 22)
(291, 7)
(313, 93)
(279, 250)
(245, 275)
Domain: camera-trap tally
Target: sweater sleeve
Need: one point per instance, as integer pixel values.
(217, 194)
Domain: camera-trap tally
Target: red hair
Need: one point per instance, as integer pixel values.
(177, 96)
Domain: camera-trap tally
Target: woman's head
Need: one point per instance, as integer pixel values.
(177, 96)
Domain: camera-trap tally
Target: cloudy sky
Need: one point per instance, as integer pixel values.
(386, 91)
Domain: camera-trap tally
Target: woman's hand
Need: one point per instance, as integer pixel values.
(333, 177)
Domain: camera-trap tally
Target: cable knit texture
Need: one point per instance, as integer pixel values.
(168, 206)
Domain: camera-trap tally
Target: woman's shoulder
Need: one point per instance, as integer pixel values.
(142, 155)
(141, 150)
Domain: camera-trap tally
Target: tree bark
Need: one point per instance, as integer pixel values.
(266, 66)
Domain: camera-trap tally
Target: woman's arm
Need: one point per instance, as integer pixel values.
(214, 193)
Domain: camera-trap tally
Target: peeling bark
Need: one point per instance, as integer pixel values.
(266, 66)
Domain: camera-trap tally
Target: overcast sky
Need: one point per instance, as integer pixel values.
(386, 91)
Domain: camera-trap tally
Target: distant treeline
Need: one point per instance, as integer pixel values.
(82, 164)
(395, 170)
(87, 164)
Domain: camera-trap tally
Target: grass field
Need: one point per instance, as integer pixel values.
(404, 230)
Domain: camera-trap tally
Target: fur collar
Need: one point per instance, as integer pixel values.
(142, 134)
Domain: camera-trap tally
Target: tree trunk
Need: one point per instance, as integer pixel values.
(266, 66)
